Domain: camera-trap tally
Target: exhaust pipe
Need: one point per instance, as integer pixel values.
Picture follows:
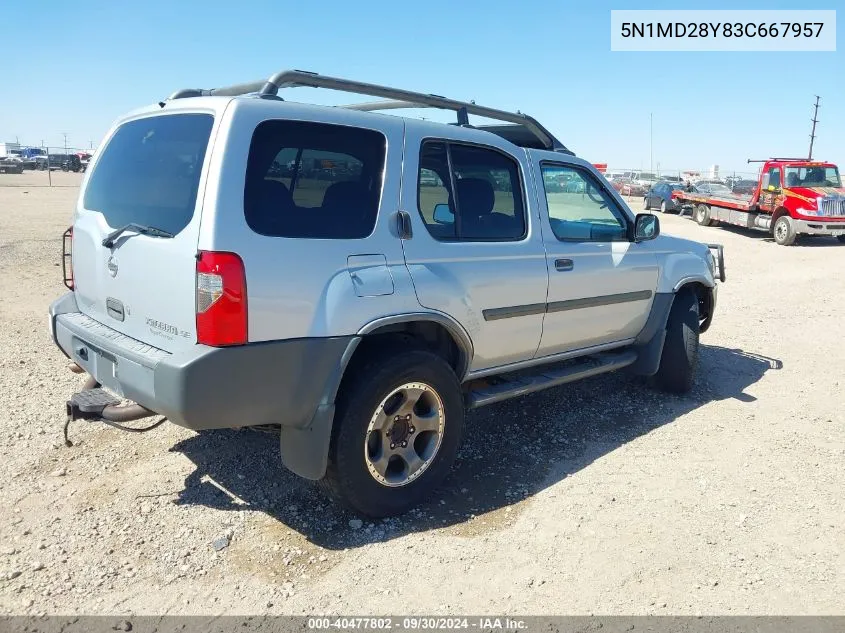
(127, 413)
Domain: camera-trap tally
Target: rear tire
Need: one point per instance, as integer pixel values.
(364, 471)
(646, 205)
(784, 231)
(841, 239)
(702, 215)
(679, 359)
(663, 207)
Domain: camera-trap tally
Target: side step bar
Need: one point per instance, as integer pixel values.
(550, 376)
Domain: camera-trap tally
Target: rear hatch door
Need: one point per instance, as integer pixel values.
(142, 282)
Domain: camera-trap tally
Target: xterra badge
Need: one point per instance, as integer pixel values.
(166, 328)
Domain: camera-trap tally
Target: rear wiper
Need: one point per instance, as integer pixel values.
(108, 241)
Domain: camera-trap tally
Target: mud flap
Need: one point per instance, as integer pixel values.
(305, 452)
(649, 343)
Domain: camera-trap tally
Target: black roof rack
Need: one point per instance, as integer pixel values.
(532, 133)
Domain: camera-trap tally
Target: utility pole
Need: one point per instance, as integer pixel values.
(651, 142)
(813, 133)
(65, 135)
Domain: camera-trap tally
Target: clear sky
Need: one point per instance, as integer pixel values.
(75, 66)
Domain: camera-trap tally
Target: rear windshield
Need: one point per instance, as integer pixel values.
(149, 172)
(313, 180)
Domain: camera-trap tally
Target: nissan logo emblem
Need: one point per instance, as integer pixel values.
(112, 266)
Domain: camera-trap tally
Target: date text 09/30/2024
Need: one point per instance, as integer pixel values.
(418, 623)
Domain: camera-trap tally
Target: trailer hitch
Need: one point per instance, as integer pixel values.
(97, 404)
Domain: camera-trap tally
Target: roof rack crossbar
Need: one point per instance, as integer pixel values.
(394, 96)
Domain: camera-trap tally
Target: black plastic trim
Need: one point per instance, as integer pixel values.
(595, 302)
(279, 382)
(649, 342)
(494, 314)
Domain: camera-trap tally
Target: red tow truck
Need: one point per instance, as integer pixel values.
(794, 196)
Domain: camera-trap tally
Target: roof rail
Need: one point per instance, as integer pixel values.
(395, 98)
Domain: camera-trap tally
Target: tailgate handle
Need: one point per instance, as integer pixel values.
(115, 309)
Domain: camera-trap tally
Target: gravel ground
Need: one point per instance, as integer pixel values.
(600, 497)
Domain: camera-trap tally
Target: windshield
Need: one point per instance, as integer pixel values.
(647, 176)
(813, 177)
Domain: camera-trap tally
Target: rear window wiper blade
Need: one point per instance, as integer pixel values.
(152, 231)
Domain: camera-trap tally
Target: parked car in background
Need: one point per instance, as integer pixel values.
(84, 159)
(28, 155)
(645, 179)
(712, 187)
(72, 162)
(745, 187)
(65, 162)
(660, 196)
(631, 188)
(666, 178)
(11, 165)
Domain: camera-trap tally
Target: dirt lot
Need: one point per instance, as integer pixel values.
(602, 497)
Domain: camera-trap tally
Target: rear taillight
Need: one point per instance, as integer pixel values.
(221, 299)
(67, 258)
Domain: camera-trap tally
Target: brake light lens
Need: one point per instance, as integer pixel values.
(221, 299)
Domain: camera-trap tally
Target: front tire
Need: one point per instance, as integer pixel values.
(646, 205)
(841, 239)
(784, 231)
(679, 359)
(396, 433)
(663, 207)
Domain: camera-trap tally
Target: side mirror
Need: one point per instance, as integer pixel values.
(443, 214)
(646, 227)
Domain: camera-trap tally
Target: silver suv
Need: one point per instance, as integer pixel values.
(359, 279)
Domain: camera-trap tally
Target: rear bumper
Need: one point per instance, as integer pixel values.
(819, 227)
(281, 382)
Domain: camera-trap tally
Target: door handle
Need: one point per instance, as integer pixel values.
(562, 265)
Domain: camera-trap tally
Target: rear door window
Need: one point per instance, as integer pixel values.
(149, 172)
(313, 180)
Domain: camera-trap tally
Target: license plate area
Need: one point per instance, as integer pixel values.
(98, 363)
